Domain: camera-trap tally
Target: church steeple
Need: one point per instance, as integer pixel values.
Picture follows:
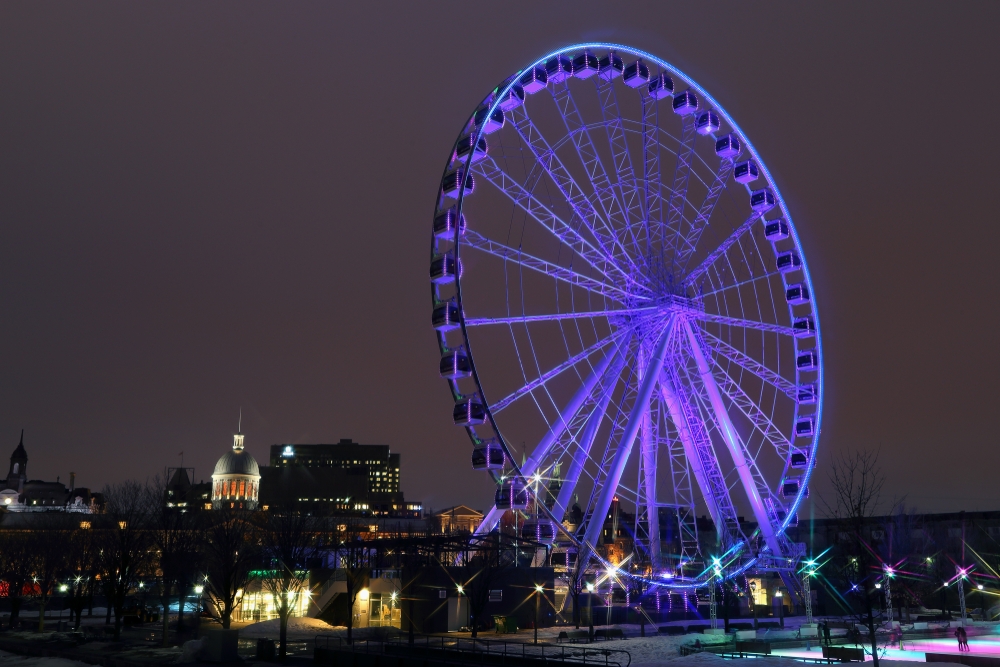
(18, 463)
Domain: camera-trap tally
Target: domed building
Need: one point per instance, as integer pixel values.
(236, 479)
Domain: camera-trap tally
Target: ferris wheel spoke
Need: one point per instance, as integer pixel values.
(639, 408)
(682, 177)
(686, 245)
(732, 439)
(631, 194)
(555, 430)
(579, 134)
(726, 244)
(488, 169)
(652, 183)
(748, 363)
(517, 256)
(742, 283)
(554, 372)
(555, 317)
(752, 412)
(575, 196)
(741, 323)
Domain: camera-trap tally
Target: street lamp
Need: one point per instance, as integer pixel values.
(538, 600)
(781, 607)
(590, 608)
(888, 574)
(753, 602)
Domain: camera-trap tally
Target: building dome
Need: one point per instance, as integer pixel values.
(237, 463)
(236, 479)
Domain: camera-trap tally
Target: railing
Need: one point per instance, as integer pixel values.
(481, 650)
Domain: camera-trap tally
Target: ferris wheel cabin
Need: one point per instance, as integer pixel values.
(444, 224)
(661, 86)
(586, 65)
(542, 531)
(806, 394)
(729, 146)
(776, 230)
(444, 268)
(469, 412)
(446, 317)
(797, 294)
(558, 69)
(788, 261)
(685, 103)
(511, 495)
(454, 182)
(488, 122)
(534, 80)
(610, 66)
(488, 455)
(465, 146)
(746, 172)
(707, 123)
(455, 365)
(636, 74)
(513, 98)
(807, 360)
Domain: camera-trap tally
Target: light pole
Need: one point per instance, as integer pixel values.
(807, 590)
(888, 574)
(590, 608)
(753, 602)
(538, 600)
(713, 612)
(982, 603)
(961, 593)
(781, 607)
(460, 591)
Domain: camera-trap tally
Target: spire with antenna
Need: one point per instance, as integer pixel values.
(238, 436)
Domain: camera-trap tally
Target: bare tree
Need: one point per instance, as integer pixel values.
(175, 535)
(232, 551)
(125, 549)
(17, 563)
(354, 561)
(857, 481)
(50, 545)
(489, 568)
(287, 545)
(83, 561)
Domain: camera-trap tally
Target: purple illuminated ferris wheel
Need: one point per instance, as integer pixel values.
(625, 317)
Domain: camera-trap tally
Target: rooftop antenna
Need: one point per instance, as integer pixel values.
(239, 426)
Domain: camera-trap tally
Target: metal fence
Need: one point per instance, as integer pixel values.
(480, 650)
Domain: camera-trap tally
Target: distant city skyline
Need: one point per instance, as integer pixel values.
(205, 208)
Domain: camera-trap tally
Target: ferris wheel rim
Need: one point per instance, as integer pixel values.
(498, 94)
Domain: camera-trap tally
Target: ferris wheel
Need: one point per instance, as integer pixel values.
(625, 317)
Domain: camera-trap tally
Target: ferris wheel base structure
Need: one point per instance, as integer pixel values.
(618, 287)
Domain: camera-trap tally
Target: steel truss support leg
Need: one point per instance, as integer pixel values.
(639, 409)
(556, 430)
(581, 452)
(648, 445)
(733, 442)
(694, 457)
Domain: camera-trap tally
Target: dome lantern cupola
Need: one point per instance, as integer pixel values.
(236, 478)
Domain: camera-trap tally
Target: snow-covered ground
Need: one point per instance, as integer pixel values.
(298, 629)
(13, 660)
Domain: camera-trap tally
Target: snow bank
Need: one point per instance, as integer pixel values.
(12, 660)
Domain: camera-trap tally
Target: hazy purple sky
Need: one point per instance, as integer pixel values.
(212, 205)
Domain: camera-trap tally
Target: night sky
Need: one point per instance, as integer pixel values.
(205, 206)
